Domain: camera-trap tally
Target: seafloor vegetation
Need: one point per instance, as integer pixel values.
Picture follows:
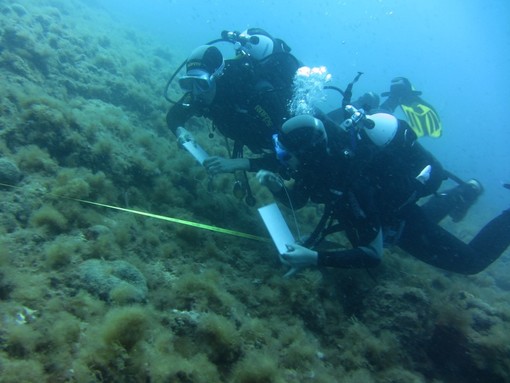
(89, 294)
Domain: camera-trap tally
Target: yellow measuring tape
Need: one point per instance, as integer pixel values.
(179, 221)
(165, 218)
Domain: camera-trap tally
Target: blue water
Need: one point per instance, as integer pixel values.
(456, 51)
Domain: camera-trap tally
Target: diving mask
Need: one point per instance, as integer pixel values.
(200, 81)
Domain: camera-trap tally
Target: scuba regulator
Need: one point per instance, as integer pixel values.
(237, 38)
(380, 128)
(354, 118)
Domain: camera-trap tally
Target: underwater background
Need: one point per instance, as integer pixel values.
(91, 294)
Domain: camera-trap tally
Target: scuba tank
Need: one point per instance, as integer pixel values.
(380, 128)
(383, 128)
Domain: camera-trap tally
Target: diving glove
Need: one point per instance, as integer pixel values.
(298, 257)
(183, 136)
(270, 180)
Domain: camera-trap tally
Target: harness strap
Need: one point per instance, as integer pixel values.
(324, 228)
(237, 152)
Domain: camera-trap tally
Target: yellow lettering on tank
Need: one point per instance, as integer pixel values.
(423, 119)
(263, 115)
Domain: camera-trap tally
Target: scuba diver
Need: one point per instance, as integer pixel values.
(245, 98)
(421, 116)
(370, 173)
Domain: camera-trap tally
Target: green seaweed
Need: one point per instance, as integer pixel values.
(82, 118)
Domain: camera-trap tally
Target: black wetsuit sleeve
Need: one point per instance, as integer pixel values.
(267, 161)
(178, 114)
(348, 259)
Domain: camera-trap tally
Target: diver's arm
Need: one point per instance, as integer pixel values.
(358, 257)
(218, 165)
(418, 155)
(266, 161)
(299, 257)
(178, 114)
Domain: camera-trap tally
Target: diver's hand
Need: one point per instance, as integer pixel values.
(216, 165)
(299, 257)
(183, 136)
(269, 180)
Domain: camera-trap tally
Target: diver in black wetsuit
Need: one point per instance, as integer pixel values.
(421, 115)
(370, 192)
(245, 98)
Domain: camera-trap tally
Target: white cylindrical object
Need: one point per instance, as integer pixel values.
(384, 130)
